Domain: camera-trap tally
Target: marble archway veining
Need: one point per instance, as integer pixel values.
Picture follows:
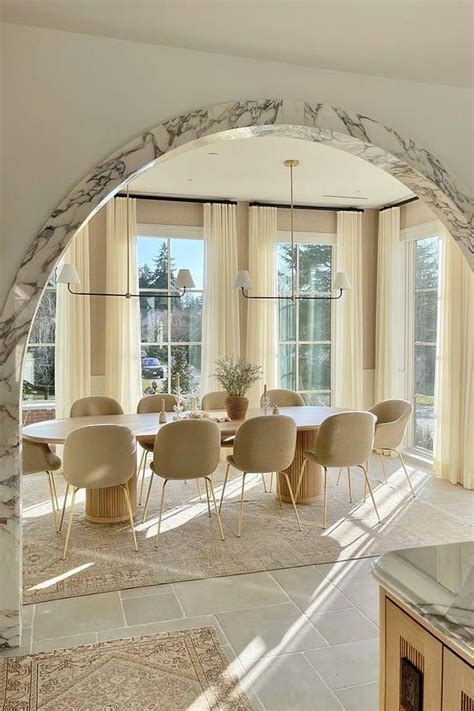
(359, 135)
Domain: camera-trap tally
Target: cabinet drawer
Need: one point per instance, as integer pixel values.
(406, 639)
(458, 683)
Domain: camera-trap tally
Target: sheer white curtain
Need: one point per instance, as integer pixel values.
(453, 457)
(122, 333)
(72, 368)
(348, 338)
(221, 334)
(262, 315)
(389, 330)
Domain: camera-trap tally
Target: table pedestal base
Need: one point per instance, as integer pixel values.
(109, 505)
(310, 488)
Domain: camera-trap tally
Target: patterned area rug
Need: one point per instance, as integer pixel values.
(101, 557)
(173, 671)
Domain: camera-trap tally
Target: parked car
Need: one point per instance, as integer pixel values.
(153, 368)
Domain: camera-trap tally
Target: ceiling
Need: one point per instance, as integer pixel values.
(420, 40)
(252, 169)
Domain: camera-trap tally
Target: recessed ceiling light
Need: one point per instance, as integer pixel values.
(347, 197)
(190, 180)
(213, 153)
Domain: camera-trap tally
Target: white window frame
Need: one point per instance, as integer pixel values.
(410, 235)
(169, 232)
(49, 403)
(322, 238)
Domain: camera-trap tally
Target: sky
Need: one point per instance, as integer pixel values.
(186, 253)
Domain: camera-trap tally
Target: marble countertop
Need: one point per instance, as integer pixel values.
(437, 582)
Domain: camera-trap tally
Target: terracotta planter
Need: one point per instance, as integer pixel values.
(236, 407)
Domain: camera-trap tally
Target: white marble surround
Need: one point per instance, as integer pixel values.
(359, 135)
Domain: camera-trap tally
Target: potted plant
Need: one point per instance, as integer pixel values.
(236, 375)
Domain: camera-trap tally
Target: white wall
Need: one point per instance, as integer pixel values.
(70, 100)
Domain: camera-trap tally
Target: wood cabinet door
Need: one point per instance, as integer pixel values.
(406, 639)
(458, 683)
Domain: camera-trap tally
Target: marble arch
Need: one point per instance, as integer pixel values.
(359, 135)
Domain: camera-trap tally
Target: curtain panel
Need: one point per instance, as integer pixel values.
(390, 316)
(262, 334)
(72, 368)
(122, 335)
(453, 457)
(348, 340)
(221, 334)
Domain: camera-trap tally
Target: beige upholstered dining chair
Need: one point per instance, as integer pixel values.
(214, 400)
(186, 449)
(285, 398)
(151, 403)
(280, 397)
(263, 444)
(343, 440)
(95, 406)
(392, 420)
(38, 457)
(97, 457)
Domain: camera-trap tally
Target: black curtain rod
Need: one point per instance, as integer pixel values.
(399, 204)
(322, 208)
(162, 198)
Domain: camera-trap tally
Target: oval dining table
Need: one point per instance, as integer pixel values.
(108, 505)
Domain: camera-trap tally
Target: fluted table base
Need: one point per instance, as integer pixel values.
(109, 505)
(311, 486)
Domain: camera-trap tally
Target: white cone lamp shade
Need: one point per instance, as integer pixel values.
(68, 275)
(242, 280)
(341, 281)
(184, 279)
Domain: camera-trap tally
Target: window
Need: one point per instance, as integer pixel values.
(38, 368)
(304, 327)
(171, 329)
(424, 331)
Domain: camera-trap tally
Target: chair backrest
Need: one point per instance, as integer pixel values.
(214, 401)
(187, 449)
(98, 456)
(152, 403)
(38, 457)
(345, 439)
(285, 398)
(265, 444)
(394, 416)
(95, 406)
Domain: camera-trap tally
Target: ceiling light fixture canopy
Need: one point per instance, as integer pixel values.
(68, 275)
(341, 282)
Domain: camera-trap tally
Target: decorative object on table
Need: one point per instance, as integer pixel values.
(179, 407)
(265, 401)
(163, 419)
(200, 415)
(68, 275)
(275, 410)
(236, 375)
(340, 284)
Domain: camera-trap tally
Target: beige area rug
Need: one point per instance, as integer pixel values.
(101, 557)
(173, 671)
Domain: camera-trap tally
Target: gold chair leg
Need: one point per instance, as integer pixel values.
(339, 476)
(239, 525)
(71, 515)
(300, 478)
(223, 486)
(157, 539)
(349, 483)
(207, 497)
(382, 459)
(53, 482)
(53, 503)
(271, 483)
(278, 485)
(325, 515)
(142, 483)
(406, 472)
(219, 522)
(63, 509)
(147, 501)
(370, 490)
(130, 512)
(264, 483)
(198, 488)
(292, 499)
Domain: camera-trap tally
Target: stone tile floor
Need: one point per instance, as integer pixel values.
(300, 639)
